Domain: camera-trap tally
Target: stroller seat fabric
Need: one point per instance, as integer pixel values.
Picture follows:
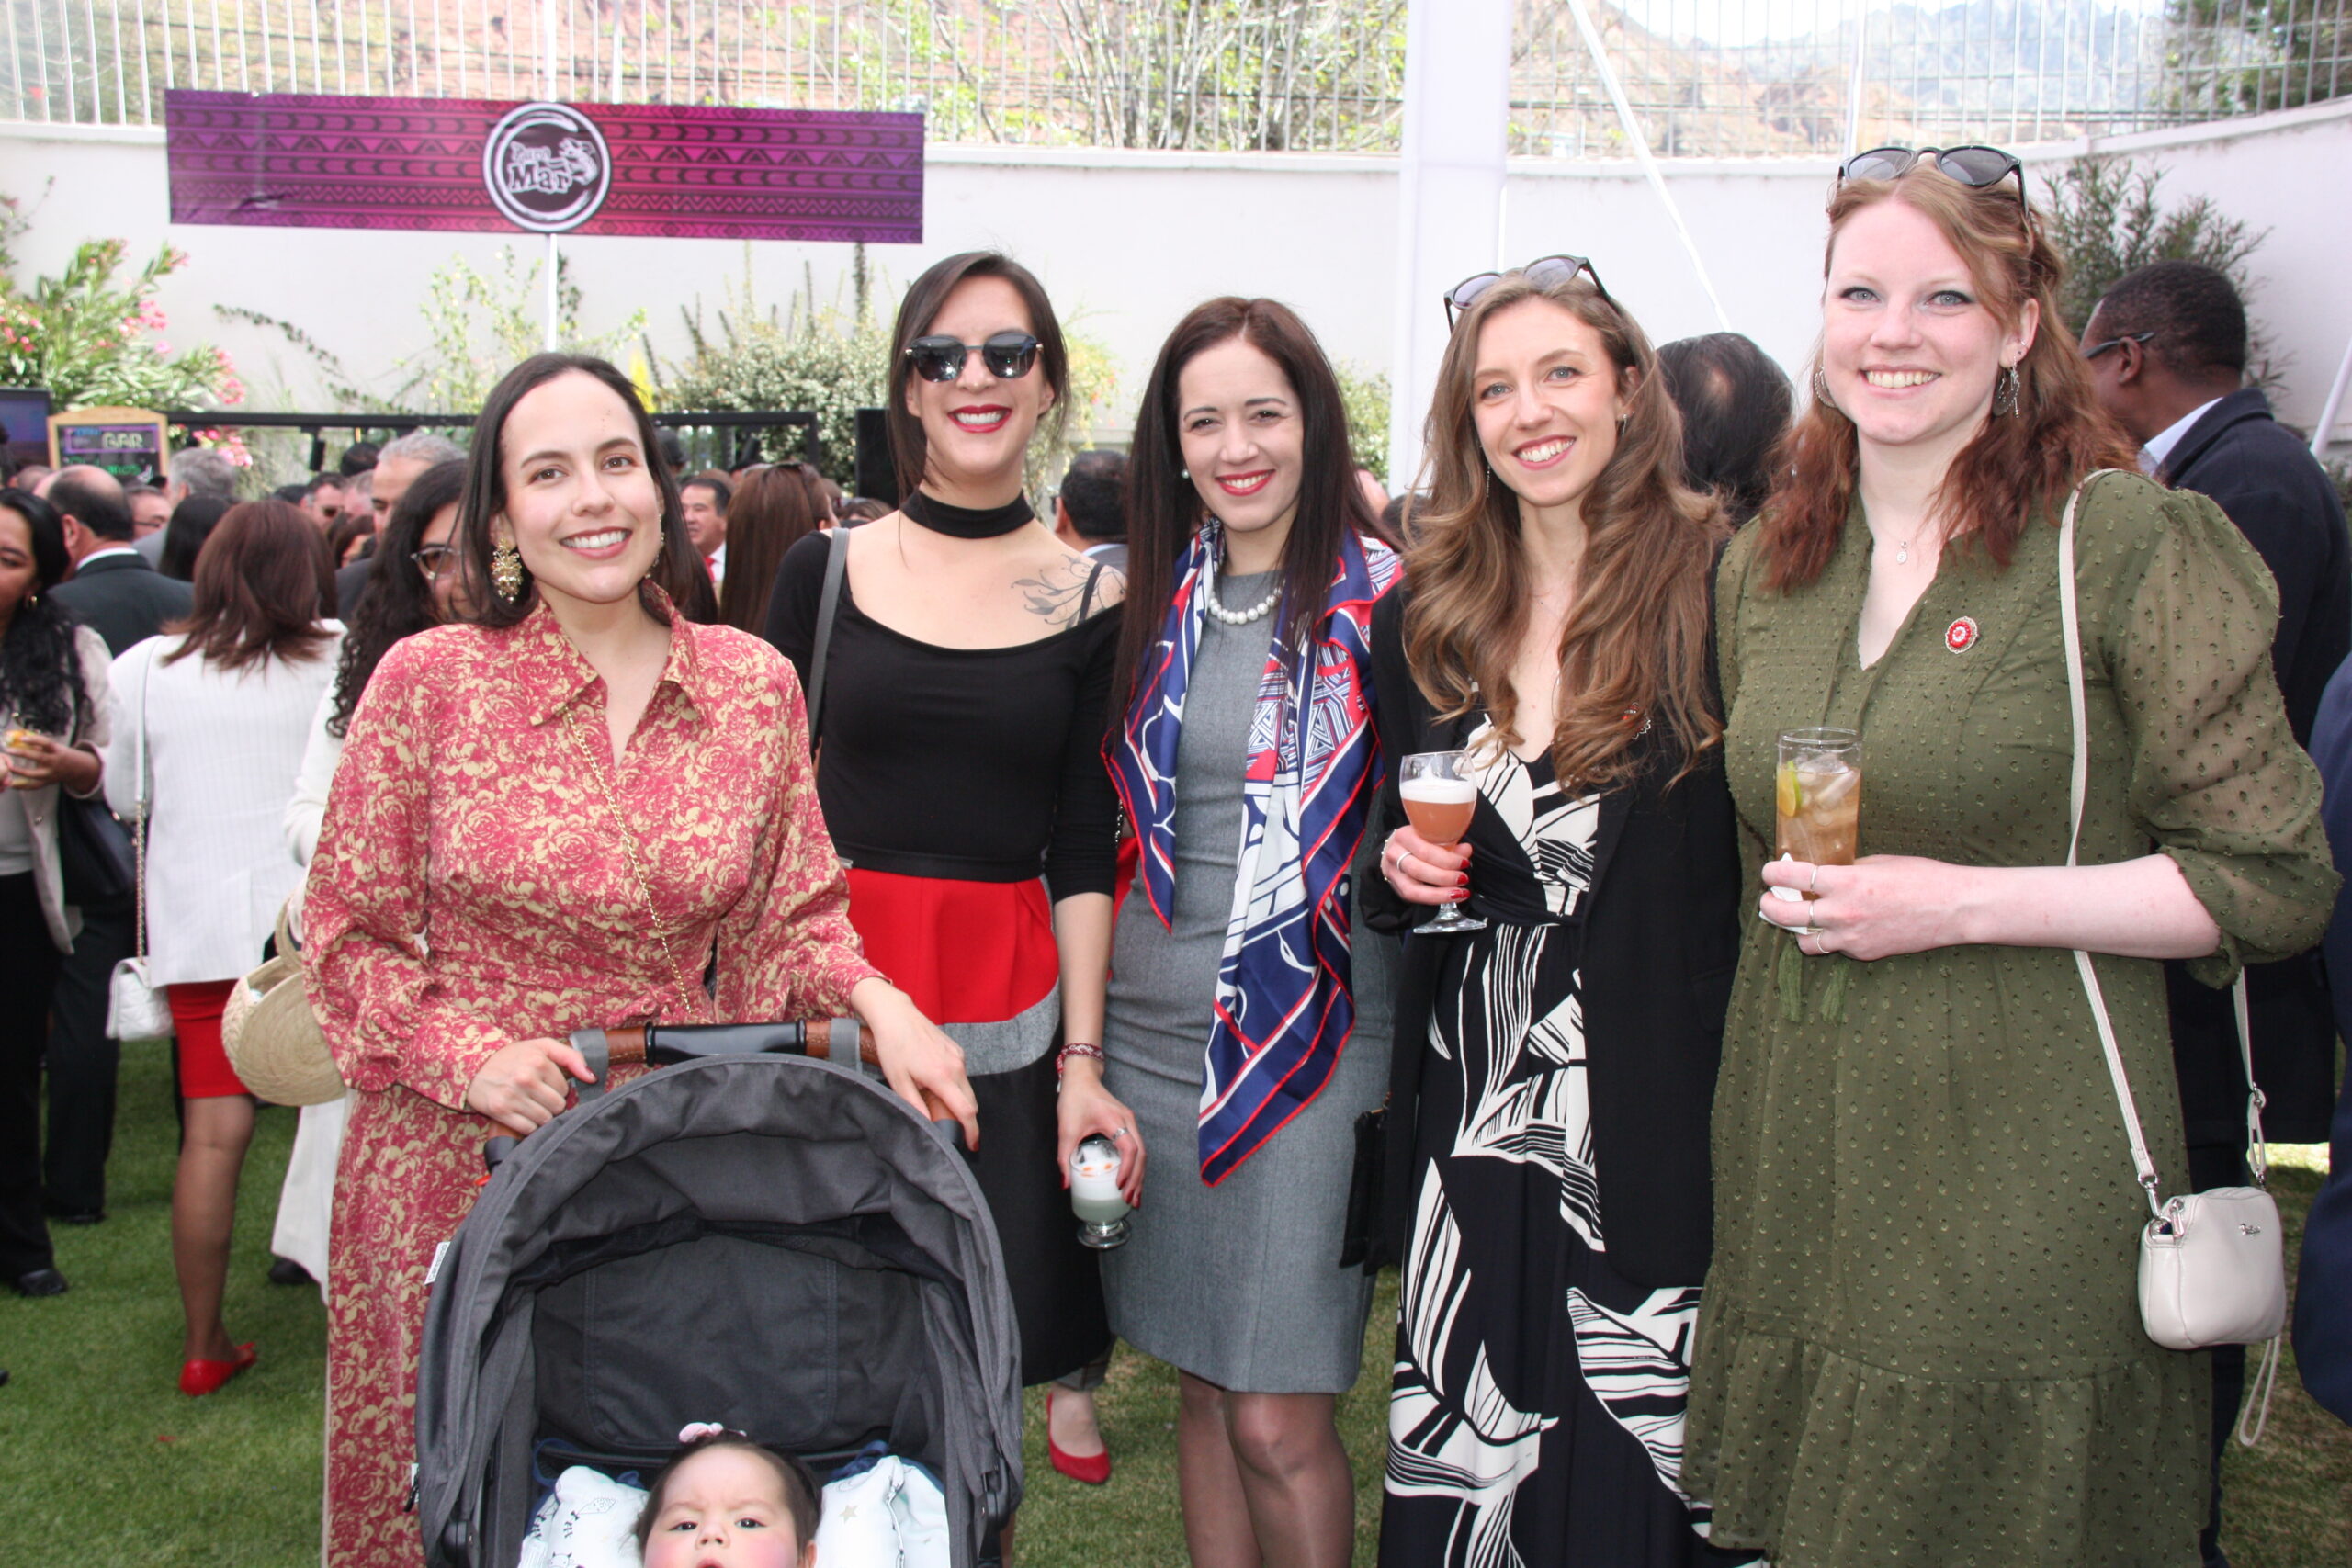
(588, 1521)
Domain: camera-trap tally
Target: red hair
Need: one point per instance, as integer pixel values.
(2019, 463)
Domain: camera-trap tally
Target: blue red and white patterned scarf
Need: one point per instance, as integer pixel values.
(1283, 1003)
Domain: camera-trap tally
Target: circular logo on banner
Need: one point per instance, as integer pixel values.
(1960, 636)
(547, 167)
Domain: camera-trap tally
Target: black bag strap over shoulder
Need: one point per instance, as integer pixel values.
(829, 605)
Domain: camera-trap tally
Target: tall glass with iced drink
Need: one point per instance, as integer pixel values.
(1817, 805)
(1440, 791)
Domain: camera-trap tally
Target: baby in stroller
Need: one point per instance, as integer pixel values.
(725, 1501)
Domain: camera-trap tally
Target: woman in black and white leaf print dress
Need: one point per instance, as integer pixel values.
(1553, 1072)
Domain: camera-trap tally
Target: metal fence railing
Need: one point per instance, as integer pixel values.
(1718, 78)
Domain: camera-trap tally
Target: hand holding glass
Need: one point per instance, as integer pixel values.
(1818, 800)
(1440, 793)
(1095, 1195)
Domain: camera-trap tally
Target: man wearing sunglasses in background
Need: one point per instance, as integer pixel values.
(2167, 352)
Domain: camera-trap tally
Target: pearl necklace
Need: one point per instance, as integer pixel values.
(1257, 611)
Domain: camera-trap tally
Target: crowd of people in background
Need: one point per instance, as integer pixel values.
(1746, 1208)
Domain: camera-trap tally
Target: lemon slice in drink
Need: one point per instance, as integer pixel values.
(1789, 793)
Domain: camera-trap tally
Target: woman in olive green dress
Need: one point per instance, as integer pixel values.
(1921, 1343)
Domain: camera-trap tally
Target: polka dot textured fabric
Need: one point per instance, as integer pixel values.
(1921, 1341)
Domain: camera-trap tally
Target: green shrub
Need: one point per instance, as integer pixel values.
(92, 338)
(2106, 218)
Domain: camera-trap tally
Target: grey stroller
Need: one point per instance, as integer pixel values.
(770, 1242)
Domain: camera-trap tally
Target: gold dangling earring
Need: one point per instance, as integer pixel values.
(2006, 389)
(506, 571)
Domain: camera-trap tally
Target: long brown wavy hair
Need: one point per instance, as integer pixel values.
(1634, 649)
(2019, 463)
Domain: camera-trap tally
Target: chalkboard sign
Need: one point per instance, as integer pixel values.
(130, 443)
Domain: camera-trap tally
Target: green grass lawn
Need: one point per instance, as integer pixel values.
(102, 1462)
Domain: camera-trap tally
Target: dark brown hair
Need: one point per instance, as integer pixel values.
(2019, 463)
(264, 584)
(1633, 647)
(801, 1494)
(675, 568)
(771, 514)
(922, 306)
(397, 600)
(1164, 509)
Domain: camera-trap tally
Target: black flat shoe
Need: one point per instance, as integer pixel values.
(42, 1283)
(286, 1271)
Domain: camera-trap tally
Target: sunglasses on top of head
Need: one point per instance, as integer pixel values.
(1545, 272)
(1979, 168)
(1008, 356)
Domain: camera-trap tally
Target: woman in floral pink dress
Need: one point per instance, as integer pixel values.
(546, 821)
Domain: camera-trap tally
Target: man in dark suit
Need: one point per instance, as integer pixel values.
(115, 592)
(1090, 512)
(2167, 352)
(2323, 1282)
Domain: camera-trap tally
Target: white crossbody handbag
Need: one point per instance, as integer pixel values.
(136, 1009)
(2213, 1270)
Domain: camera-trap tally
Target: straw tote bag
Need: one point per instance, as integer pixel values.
(2212, 1268)
(272, 1038)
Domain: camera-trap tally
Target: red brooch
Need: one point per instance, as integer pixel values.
(1960, 636)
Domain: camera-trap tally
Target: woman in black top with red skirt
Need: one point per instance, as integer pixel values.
(960, 733)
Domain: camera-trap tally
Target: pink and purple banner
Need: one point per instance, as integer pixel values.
(676, 170)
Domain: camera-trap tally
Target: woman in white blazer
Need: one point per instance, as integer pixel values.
(415, 584)
(53, 709)
(221, 705)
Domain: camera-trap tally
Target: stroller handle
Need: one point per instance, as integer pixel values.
(662, 1045)
(665, 1044)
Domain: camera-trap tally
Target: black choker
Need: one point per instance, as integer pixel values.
(964, 521)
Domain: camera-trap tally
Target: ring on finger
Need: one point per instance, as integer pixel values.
(1812, 883)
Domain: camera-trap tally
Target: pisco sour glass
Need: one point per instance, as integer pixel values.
(1440, 792)
(1817, 801)
(1095, 1195)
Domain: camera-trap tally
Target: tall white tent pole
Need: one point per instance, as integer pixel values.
(1449, 192)
(546, 32)
(1854, 83)
(2334, 406)
(1640, 145)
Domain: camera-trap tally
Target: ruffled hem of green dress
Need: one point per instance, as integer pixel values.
(1823, 1460)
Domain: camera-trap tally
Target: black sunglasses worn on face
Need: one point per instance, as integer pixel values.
(1545, 272)
(1979, 168)
(1008, 356)
(2090, 354)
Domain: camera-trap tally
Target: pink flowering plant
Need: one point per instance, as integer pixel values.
(93, 338)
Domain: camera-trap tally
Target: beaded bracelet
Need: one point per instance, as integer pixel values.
(1074, 1048)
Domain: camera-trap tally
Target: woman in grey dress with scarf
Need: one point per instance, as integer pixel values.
(1249, 1013)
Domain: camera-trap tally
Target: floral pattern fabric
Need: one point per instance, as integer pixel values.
(473, 887)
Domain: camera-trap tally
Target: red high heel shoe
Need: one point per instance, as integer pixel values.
(1094, 1469)
(199, 1377)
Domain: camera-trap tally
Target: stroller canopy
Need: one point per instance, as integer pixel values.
(769, 1242)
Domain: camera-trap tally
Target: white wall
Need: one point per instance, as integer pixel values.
(1127, 241)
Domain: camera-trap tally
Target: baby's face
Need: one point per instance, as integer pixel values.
(725, 1508)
